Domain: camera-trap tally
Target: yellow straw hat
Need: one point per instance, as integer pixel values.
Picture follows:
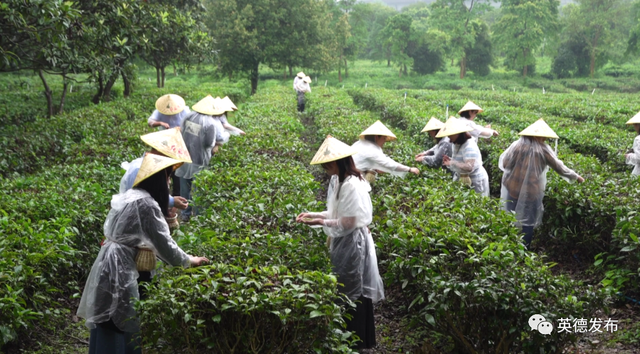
(540, 128)
(433, 124)
(170, 104)
(635, 119)
(470, 106)
(301, 75)
(169, 142)
(151, 164)
(228, 101)
(453, 126)
(210, 106)
(307, 79)
(227, 106)
(332, 149)
(378, 128)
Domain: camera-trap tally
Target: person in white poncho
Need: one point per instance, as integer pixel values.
(433, 157)
(353, 255)
(136, 220)
(466, 161)
(370, 159)
(199, 131)
(633, 156)
(467, 115)
(525, 164)
(302, 87)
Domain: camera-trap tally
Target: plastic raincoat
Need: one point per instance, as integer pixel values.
(467, 160)
(173, 120)
(525, 164)
(370, 157)
(437, 152)
(353, 253)
(634, 157)
(135, 219)
(478, 130)
(199, 132)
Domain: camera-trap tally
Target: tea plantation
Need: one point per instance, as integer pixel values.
(452, 260)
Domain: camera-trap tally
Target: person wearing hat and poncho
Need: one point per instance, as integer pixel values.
(369, 157)
(136, 218)
(297, 80)
(633, 156)
(467, 114)
(228, 128)
(352, 250)
(199, 131)
(525, 164)
(433, 157)
(169, 113)
(302, 87)
(168, 143)
(466, 161)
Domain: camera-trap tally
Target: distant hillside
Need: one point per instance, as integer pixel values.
(399, 4)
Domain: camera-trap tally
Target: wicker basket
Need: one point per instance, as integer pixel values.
(172, 221)
(145, 260)
(370, 176)
(465, 179)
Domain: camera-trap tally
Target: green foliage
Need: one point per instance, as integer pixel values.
(480, 56)
(227, 309)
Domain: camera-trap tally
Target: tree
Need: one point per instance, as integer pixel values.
(427, 49)
(374, 16)
(522, 28)
(480, 56)
(342, 33)
(397, 33)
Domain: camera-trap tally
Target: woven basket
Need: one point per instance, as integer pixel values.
(465, 179)
(370, 176)
(145, 260)
(172, 221)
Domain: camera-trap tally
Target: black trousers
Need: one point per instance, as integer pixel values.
(362, 323)
(301, 102)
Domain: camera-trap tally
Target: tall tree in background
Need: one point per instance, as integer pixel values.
(342, 34)
(397, 32)
(522, 27)
(375, 16)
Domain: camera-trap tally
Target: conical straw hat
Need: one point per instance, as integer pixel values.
(301, 75)
(169, 142)
(210, 106)
(453, 126)
(635, 119)
(151, 164)
(378, 128)
(540, 128)
(227, 106)
(170, 104)
(307, 79)
(433, 124)
(228, 101)
(332, 149)
(470, 106)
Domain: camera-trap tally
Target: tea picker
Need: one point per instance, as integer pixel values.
(352, 250)
(136, 233)
(467, 114)
(370, 159)
(169, 113)
(633, 156)
(466, 159)
(302, 88)
(433, 157)
(525, 164)
(228, 128)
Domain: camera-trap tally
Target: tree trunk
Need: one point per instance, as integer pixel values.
(388, 62)
(463, 67)
(127, 85)
(284, 73)
(346, 68)
(106, 94)
(47, 94)
(162, 71)
(592, 55)
(290, 71)
(98, 96)
(526, 67)
(405, 69)
(65, 86)
(254, 79)
(339, 66)
(158, 77)
(175, 71)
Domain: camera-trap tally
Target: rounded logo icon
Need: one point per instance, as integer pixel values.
(545, 327)
(535, 320)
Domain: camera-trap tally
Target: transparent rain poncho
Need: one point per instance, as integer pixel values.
(370, 157)
(132, 168)
(525, 164)
(433, 157)
(353, 253)
(135, 219)
(467, 161)
(478, 130)
(174, 120)
(634, 157)
(199, 132)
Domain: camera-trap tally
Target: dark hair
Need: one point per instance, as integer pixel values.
(156, 185)
(462, 138)
(371, 138)
(346, 167)
(465, 114)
